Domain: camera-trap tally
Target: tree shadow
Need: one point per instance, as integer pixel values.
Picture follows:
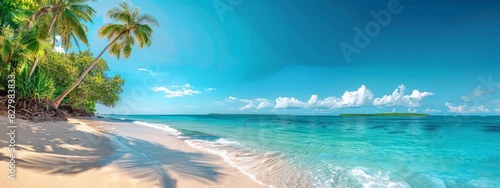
(148, 155)
(72, 151)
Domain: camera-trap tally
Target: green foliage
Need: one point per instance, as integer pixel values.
(27, 35)
(40, 86)
(130, 26)
(97, 87)
(65, 18)
(14, 12)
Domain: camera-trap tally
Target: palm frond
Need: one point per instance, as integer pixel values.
(130, 26)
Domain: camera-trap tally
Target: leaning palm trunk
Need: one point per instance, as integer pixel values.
(38, 57)
(33, 66)
(55, 103)
(131, 26)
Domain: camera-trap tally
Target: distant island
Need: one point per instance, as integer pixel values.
(386, 114)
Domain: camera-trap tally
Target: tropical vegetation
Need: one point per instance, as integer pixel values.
(48, 81)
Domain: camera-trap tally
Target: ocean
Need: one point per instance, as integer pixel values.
(334, 151)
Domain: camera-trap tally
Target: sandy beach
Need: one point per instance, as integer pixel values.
(96, 153)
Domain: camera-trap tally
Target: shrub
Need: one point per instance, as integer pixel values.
(39, 86)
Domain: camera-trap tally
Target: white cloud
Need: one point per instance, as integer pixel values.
(152, 73)
(178, 92)
(247, 107)
(497, 110)
(398, 98)
(410, 110)
(210, 89)
(476, 93)
(358, 98)
(263, 103)
(477, 109)
(428, 110)
(57, 45)
(456, 109)
(285, 102)
(59, 49)
(361, 97)
(252, 104)
(479, 91)
(463, 109)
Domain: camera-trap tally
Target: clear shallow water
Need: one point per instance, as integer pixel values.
(319, 151)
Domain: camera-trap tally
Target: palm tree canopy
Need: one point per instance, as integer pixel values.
(128, 28)
(67, 17)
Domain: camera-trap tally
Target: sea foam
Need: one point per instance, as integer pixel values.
(270, 169)
(241, 160)
(163, 127)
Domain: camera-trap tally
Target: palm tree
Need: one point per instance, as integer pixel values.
(20, 45)
(13, 33)
(128, 28)
(64, 15)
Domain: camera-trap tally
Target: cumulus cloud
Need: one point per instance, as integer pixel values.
(428, 110)
(57, 45)
(358, 98)
(176, 91)
(456, 109)
(497, 110)
(263, 103)
(478, 94)
(210, 89)
(477, 109)
(252, 104)
(398, 98)
(361, 97)
(290, 103)
(59, 49)
(463, 109)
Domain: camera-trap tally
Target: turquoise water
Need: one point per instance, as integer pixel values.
(320, 151)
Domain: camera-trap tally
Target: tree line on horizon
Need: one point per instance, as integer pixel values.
(29, 31)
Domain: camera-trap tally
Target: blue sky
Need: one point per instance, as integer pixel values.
(321, 58)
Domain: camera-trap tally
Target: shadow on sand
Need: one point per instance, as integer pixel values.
(71, 151)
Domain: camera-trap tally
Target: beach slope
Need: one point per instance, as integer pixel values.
(93, 153)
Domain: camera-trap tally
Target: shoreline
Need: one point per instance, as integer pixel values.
(93, 152)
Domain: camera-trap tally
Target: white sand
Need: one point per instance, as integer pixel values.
(93, 153)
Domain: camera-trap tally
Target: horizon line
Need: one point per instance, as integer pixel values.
(337, 115)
